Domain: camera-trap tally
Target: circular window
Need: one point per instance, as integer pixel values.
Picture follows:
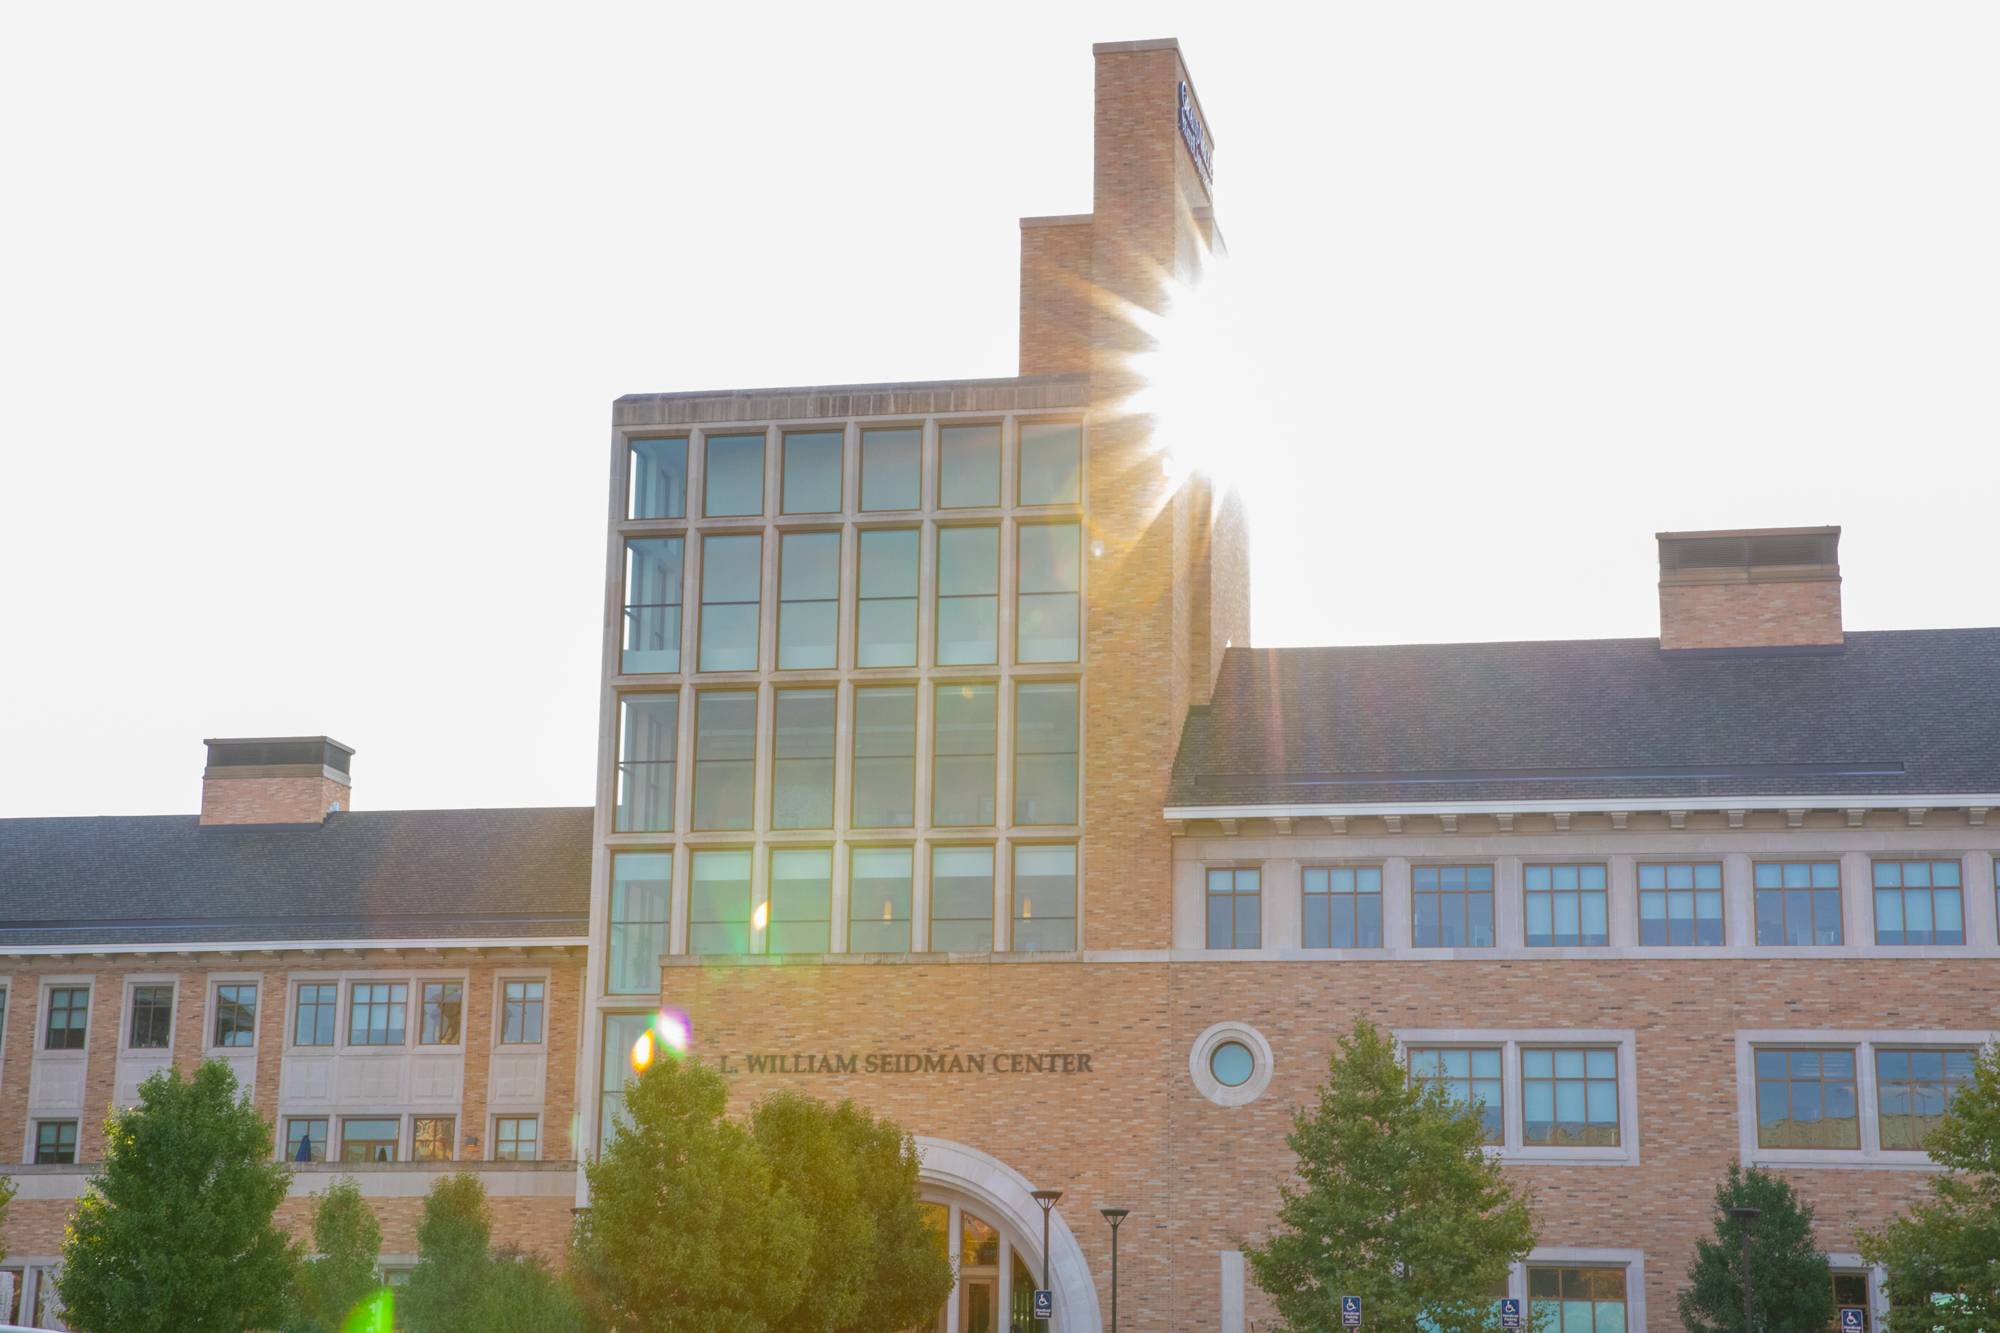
(1230, 1064)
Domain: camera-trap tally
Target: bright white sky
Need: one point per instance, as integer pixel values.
(311, 318)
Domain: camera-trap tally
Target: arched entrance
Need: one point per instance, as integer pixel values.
(994, 1235)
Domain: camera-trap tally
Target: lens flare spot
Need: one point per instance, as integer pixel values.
(761, 917)
(671, 1028)
(375, 1314)
(643, 1052)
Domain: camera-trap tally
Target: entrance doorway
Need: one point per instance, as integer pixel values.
(994, 1291)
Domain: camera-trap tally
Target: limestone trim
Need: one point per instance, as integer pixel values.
(1632, 1261)
(1843, 1261)
(474, 943)
(1003, 1194)
(1570, 805)
(1203, 1051)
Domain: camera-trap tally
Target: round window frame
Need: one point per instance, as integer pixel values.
(1203, 1051)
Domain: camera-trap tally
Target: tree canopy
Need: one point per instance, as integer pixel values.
(1395, 1200)
(341, 1275)
(1791, 1286)
(175, 1232)
(462, 1285)
(1940, 1253)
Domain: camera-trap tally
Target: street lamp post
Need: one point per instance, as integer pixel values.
(1744, 1216)
(1114, 1216)
(1047, 1199)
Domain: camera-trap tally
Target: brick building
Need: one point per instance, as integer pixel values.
(399, 990)
(937, 772)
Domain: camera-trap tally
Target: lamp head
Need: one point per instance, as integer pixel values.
(1046, 1198)
(1114, 1215)
(1744, 1213)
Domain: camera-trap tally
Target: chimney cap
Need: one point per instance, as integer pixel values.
(226, 752)
(1832, 530)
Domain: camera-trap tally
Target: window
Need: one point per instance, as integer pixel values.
(55, 1142)
(1798, 902)
(968, 593)
(621, 1032)
(1918, 902)
(1044, 898)
(1049, 462)
(652, 605)
(433, 1138)
(305, 1139)
(968, 466)
(885, 756)
(1051, 568)
(1343, 907)
(313, 1019)
(444, 1004)
(879, 900)
(808, 600)
(1045, 753)
(365, 1141)
(802, 775)
(719, 903)
(1469, 1076)
(1569, 1098)
(69, 1014)
(647, 735)
(811, 483)
(1851, 1289)
(522, 1004)
(964, 733)
(1235, 908)
(801, 911)
(732, 581)
(1577, 1300)
(659, 479)
(725, 759)
(1912, 1089)
(735, 483)
(518, 1138)
(962, 899)
(1452, 907)
(1567, 906)
(641, 888)
(236, 1014)
(885, 632)
(890, 462)
(1680, 902)
(375, 1013)
(1807, 1099)
(152, 1027)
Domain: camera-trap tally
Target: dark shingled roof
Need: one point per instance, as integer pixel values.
(1891, 713)
(361, 875)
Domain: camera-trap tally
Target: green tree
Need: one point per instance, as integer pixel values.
(175, 1232)
(348, 1241)
(1791, 1287)
(1940, 1253)
(453, 1261)
(874, 1264)
(6, 1197)
(522, 1295)
(1395, 1201)
(688, 1230)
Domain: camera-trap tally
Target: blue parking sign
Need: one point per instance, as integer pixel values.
(1350, 1312)
(1045, 1303)
(1510, 1312)
(1852, 1319)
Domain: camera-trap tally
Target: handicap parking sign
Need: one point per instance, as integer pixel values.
(1510, 1312)
(1045, 1304)
(1350, 1312)
(1852, 1319)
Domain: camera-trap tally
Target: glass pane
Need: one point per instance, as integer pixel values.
(725, 766)
(1045, 753)
(885, 742)
(968, 581)
(731, 582)
(648, 736)
(1232, 1064)
(812, 472)
(1050, 453)
(735, 483)
(968, 466)
(889, 464)
(886, 622)
(801, 900)
(963, 777)
(802, 773)
(808, 599)
(879, 900)
(659, 479)
(652, 605)
(1044, 897)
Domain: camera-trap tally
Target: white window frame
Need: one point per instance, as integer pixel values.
(414, 1018)
(292, 1004)
(493, 1134)
(216, 981)
(1864, 1043)
(1878, 1291)
(336, 1136)
(498, 1010)
(1511, 1148)
(1552, 1256)
(40, 1033)
(131, 986)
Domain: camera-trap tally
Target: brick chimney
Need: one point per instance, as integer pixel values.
(274, 780)
(1750, 588)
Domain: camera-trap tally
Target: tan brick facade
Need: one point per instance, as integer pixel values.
(1743, 615)
(271, 800)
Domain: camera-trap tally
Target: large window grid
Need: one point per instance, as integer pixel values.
(1551, 1095)
(1235, 907)
(1680, 902)
(1342, 907)
(1568, 906)
(1798, 902)
(1846, 1097)
(1451, 906)
(808, 600)
(653, 569)
(1468, 1076)
(1919, 902)
(377, 1012)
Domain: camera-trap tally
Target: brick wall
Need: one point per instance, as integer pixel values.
(287, 800)
(1055, 296)
(1750, 614)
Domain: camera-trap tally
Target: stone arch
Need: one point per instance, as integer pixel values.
(1005, 1193)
